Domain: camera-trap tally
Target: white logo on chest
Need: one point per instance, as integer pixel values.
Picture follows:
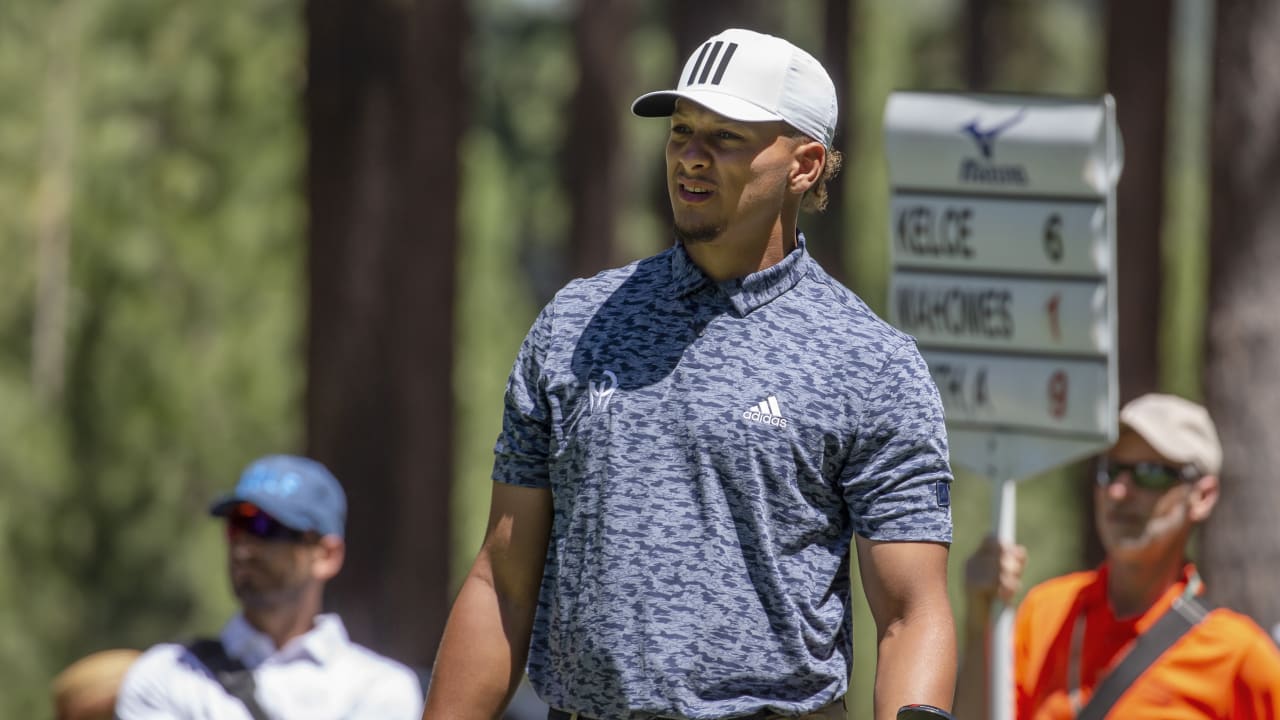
(602, 390)
(766, 412)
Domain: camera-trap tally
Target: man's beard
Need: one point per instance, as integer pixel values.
(692, 235)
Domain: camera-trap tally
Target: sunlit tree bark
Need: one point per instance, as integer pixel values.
(1241, 548)
(385, 105)
(593, 149)
(1138, 38)
(827, 232)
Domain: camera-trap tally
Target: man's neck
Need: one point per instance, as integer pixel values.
(728, 257)
(281, 624)
(1133, 586)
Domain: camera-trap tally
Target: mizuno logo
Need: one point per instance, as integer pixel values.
(986, 171)
(766, 412)
(707, 60)
(986, 138)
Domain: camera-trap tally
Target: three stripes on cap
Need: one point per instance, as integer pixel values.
(710, 60)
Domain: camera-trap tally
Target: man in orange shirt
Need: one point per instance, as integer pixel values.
(1155, 485)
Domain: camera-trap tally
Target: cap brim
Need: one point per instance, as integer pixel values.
(222, 506)
(663, 103)
(267, 503)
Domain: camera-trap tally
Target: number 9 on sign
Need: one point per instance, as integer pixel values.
(1058, 387)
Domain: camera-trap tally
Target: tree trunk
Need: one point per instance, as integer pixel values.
(384, 105)
(977, 60)
(1138, 37)
(1005, 49)
(593, 154)
(828, 241)
(1241, 548)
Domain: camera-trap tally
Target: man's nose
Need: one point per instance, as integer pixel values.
(1121, 487)
(241, 544)
(694, 153)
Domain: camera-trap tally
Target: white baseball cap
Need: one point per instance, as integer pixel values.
(752, 77)
(1178, 429)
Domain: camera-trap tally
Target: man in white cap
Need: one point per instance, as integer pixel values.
(280, 657)
(1131, 638)
(692, 443)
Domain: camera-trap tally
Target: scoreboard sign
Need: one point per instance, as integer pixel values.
(1003, 250)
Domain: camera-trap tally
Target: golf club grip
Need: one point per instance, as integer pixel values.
(923, 712)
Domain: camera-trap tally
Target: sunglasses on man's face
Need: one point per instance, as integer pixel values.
(251, 520)
(1146, 475)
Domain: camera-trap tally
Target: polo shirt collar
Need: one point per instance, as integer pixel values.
(745, 293)
(686, 277)
(321, 643)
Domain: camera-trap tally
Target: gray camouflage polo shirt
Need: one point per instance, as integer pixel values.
(711, 448)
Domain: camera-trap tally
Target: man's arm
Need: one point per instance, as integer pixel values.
(486, 641)
(993, 572)
(906, 587)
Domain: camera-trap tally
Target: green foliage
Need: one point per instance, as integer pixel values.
(183, 321)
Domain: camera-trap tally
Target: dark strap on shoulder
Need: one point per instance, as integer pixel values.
(230, 673)
(1186, 613)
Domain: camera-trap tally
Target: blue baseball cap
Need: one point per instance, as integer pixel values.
(299, 492)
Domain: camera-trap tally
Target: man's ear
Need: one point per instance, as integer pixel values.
(810, 158)
(1204, 496)
(330, 552)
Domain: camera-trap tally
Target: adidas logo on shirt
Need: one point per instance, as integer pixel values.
(766, 413)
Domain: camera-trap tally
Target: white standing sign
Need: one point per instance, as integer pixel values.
(1003, 251)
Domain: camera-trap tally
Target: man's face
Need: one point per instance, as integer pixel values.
(271, 571)
(1137, 523)
(724, 174)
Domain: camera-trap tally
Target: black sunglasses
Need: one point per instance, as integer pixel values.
(1146, 475)
(250, 519)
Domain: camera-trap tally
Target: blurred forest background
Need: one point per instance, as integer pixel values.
(323, 226)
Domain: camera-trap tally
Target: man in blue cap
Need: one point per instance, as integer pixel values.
(280, 656)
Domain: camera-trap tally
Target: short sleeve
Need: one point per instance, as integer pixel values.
(524, 445)
(897, 480)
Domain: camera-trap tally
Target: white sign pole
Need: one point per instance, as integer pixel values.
(1001, 690)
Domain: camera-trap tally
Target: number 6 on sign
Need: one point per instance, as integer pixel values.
(1053, 237)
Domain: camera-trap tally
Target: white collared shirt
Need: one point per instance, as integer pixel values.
(321, 675)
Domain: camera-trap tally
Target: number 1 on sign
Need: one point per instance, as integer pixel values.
(1051, 307)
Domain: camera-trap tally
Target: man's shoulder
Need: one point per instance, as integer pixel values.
(1228, 625)
(164, 657)
(380, 668)
(629, 289)
(651, 271)
(1062, 588)
(847, 315)
(165, 676)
